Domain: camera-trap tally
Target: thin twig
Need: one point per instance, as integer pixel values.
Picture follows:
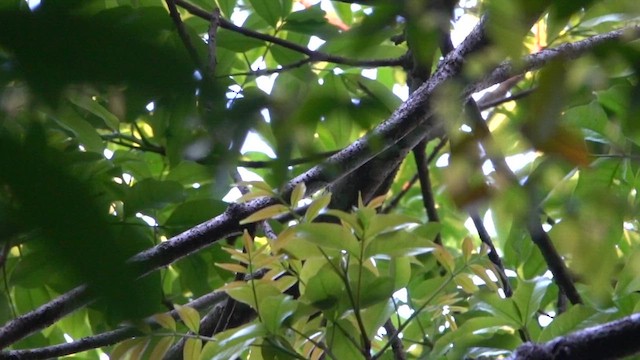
(493, 254)
(182, 32)
(428, 199)
(496, 102)
(409, 184)
(282, 68)
(293, 162)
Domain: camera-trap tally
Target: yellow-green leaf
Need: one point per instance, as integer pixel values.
(298, 194)
(376, 202)
(467, 248)
(481, 272)
(192, 349)
(122, 349)
(254, 194)
(189, 316)
(316, 206)
(161, 348)
(266, 213)
(465, 282)
(234, 268)
(445, 258)
(261, 185)
(138, 349)
(166, 321)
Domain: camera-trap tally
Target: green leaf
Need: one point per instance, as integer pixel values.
(324, 289)
(253, 290)
(374, 90)
(471, 333)
(192, 213)
(152, 194)
(95, 108)
(236, 42)
(329, 236)
(189, 316)
(271, 11)
(373, 289)
(338, 341)
(573, 319)
(528, 296)
(274, 310)
(376, 315)
(231, 343)
(504, 309)
(310, 21)
(386, 222)
(82, 129)
(398, 243)
(226, 7)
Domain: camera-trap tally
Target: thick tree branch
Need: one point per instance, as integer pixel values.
(396, 343)
(43, 316)
(313, 55)
(614, 340)
(107, 338)
(411, 115)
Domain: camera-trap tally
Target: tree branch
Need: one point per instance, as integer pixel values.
(428, 200)
(493, 254)
(567, 51)
(107, 338)
(184, 36)
(43, 316)
(614, 340)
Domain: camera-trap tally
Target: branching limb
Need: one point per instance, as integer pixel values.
(538, 235)
(313, 55)
(566, 51)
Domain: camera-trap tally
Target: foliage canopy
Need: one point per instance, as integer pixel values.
(400, 218)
